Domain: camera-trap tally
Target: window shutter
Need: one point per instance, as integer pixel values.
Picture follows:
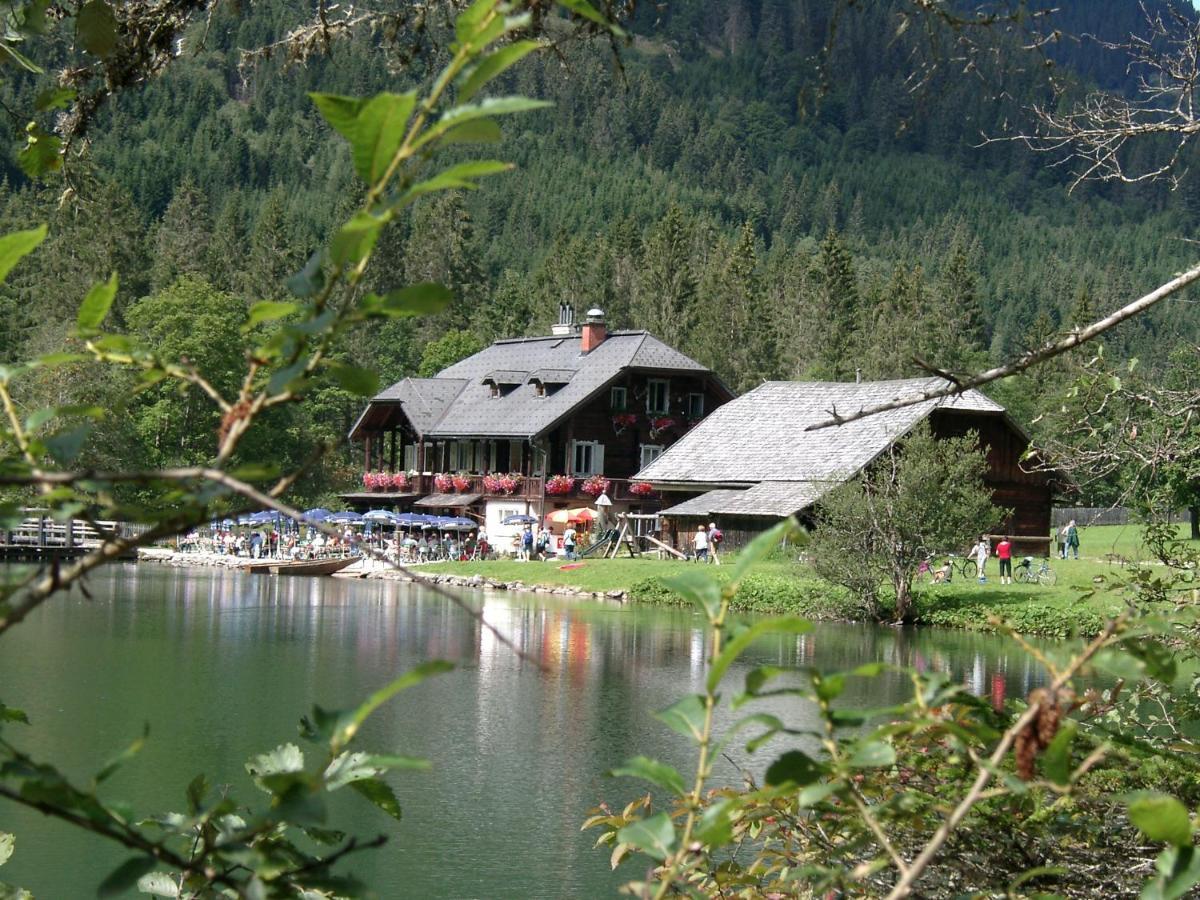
(597, 459)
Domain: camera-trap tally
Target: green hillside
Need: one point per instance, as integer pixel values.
(727, 174)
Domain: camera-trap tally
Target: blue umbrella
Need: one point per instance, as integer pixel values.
(382, 515)
(414, 519)
(459, 524)
(345, 518)
(319, 514)
(518, 520)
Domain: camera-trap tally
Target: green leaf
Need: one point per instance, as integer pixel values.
(96, 28)
(124, 756)
(1056, 761)
(1179, 869)
(459, 176)
(757, 549)
(653, 771)
(492, 65)
(6, 846)
(158, 884)
(829, 687)
(685, 716)
(65, 445)
(196, 790)
(795, 767)
(282, 379)
(95, 306)
(697, 587)
(654, 836)
(284, 759)
(715, 827)
(815, 793)
(8, 892)
(585, 10)
(872, 755)
(125, 876)
(492, 106)
(733, 649)
(269, 311)
(362, 382)
(356, 239)
(378, 131)
(16, 246)
(380, 794)
(340, 112)
(1161, 817)
(477, 131)
(20, 59)
(310, 280)
(54, 98)
(467, 22)
(423, 299)
(349, 726)
(10, 714)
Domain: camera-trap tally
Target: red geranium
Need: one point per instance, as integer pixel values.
(559, 484)
(596, 485)
(641, 489)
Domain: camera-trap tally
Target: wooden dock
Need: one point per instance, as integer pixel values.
(40, 537)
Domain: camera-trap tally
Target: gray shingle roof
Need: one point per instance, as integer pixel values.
(505, 376)
(457, 403)
(769, 498)
(761, 436)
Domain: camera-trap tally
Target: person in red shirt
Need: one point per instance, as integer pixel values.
(1004, 554)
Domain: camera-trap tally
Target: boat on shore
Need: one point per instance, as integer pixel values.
(299, 566)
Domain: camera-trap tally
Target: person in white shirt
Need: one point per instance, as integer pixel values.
(700, 542)
(981, 552)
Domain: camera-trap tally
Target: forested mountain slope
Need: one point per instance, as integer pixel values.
(835, 210)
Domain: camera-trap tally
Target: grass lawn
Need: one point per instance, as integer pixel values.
(1080, 601)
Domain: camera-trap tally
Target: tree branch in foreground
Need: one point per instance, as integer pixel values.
(1027, 360)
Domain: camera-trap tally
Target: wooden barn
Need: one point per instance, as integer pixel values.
(753, 461)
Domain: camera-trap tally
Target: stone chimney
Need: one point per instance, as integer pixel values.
(594, 331)
(565, 327)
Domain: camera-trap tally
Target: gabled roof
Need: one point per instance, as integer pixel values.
(761, 436)
(458, 402)
(769, 498)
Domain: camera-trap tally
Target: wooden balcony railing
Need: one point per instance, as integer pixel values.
(529, 489)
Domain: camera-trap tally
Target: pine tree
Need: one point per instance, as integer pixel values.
(182, 237)
(839, 303)
(666, 283)
(442, 248)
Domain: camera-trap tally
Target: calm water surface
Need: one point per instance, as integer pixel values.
(221, 665)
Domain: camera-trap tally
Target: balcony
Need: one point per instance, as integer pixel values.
(529, 489)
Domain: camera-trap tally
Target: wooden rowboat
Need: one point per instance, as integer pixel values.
(300, 566)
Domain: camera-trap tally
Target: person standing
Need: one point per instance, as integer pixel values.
(527, 543)
(1061, 539)
(981, 552)
(700, 543)
(1072, 544)
(1004, 554)
(569, 542)
(714, 541)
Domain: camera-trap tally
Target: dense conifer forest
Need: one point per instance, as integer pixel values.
(789, 172)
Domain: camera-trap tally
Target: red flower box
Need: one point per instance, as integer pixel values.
(400, 481)
(462, 483)
(443, 483)
(596, 485)
(641, 489)
(560, 484)
(502, 484)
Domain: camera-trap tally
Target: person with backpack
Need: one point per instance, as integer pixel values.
(714, 541)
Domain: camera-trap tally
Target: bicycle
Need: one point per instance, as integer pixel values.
(1026, 574)
(963, 567)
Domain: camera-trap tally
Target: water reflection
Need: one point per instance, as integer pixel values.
(222, 665)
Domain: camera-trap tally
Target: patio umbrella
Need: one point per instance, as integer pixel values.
(318, 514)
(414, 520)
(518, 520)
(573, 516)
(345, 518)
(459, 524)
(381, 515)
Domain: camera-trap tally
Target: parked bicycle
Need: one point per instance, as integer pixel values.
(1025, 573)
(930, 570)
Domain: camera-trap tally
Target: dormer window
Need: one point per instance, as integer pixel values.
(539, 388)
(695, 406)
(618, 398)
(658, 396)
(502, 382)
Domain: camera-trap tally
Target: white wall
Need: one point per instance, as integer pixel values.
(500, 536)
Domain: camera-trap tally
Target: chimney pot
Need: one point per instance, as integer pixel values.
(594, 331)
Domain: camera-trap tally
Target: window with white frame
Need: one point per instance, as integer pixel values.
(695, 406)
(618, 397)
(650, 452)
(462, 456)
(410, 457)
(587, 458)
(658, 396)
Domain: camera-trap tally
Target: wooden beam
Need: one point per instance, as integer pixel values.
(657, 543)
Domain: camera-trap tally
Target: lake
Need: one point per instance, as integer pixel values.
(221, 665)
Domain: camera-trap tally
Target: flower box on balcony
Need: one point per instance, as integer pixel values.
(462, 483)
(560, 484)
(641, 489)
(596, 485)
(502, 484)
(443, 483)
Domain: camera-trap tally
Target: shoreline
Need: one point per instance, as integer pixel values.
(370, 569)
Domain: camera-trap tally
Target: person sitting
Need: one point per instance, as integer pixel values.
(942, 575)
